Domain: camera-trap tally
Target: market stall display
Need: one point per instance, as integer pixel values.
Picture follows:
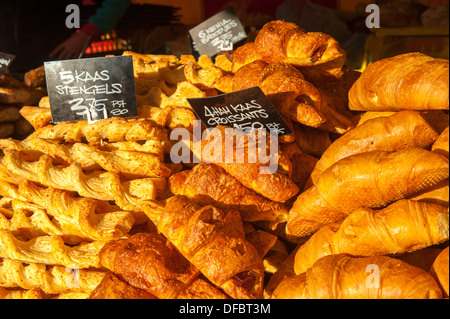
(88, 210)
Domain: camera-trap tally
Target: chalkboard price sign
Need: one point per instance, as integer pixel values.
(247, 110)
(5, 61)
(218, 33)
(91, 89)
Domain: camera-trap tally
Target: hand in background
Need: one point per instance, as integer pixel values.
(70, 48)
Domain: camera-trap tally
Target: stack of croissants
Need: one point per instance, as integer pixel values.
(358, 208)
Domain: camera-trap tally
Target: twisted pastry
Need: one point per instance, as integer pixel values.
(99, 185)
(113, 129)
(50, 250)
(51, 280)
(21, 294)
(213, 241)
(370, 179)
(367, 232)
(129, 164)
(344, 277)
(81, 216)
(28, 221)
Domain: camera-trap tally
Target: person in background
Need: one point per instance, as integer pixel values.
(106, 18)
(35, 31)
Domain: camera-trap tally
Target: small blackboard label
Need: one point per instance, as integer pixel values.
(218, 33)
(91, 89)
(247, 110)
(5, 61)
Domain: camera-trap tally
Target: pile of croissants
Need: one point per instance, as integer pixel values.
(357, 209)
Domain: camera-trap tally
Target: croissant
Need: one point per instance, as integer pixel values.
(214, 242)
(113, 129)
(293, 96)
(50, 250)
(387, 85)
(280, 41)
(149, 262)
(276, 185)
(345, 277)
(439, 270)
(286, 89)
(401, 130)
(209, 184)
(370, 179)
(367, 232)
(441, 145)
(99, 185)
(50, 279)
(111, 287)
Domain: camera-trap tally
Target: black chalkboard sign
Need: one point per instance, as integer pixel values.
(218, 33)
(247, 110)
(91, 89)
(5, 60)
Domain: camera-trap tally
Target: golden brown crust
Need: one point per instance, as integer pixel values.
(400, 130)
(379, 277)
(439, 270)
(441, 145)
(111, 287)
(386, 85)
(281, 41)
(370, 179)
(367, 232)
(276, 185)
(209, 184)
(214, 241)
(148, 261)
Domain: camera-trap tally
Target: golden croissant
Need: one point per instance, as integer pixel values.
(439, 270)
(345, 277)
(280, 41)
(269, 177)
(209, 184)
(367, 232)
(213, 240)
(158, 268)
(401, 130)
(370, 179)
(112, 287)
(412, 81)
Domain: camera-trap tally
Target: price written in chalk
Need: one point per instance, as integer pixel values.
(219, 33)
(5, 61)
(91, 89)
(246, 110)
